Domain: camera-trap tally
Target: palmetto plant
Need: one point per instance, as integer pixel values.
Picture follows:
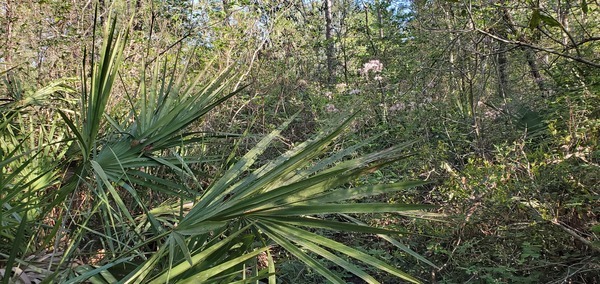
(29, 145)
(226, 232)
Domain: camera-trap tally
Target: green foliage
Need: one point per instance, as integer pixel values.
(198, 232)
(154, 171)
(27, 169)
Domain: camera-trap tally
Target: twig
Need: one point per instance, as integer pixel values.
(575, 235)
(539, 48)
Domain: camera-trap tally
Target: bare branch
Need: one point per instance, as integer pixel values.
(584, 41)
(539, 48)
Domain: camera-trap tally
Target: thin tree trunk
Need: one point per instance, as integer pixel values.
(534, 69)
(8, 46)
(368, 30)
(342, 39)
(529, 54)
(329, 52)
(379, 20)
(502, 62)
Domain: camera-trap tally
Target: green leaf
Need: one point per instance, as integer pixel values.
(16, 249)
(549, 20)
(117, 198)
(196, 258)
(285, 194)
(584, 6)
(333, 258)
(191, 228)
(309, 261)
(363, 191)
(71, 126)
(341, 208)
(87, 273)
(534, 22)
(183, 247)
(254, 279)
(330, 225)
(218, 188)
(203, 276)
(396, 243)
(294, 233)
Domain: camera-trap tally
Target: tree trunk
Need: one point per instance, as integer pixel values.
(8, 46)
(342, 34)
(529, 53)
(502, 62)
(368, 30)
(534, 69)
(379, 20)
(329, 51)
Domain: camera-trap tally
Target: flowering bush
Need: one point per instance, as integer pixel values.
(373, 65)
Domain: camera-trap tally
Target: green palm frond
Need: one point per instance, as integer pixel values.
(30, 146)
(285, 199)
